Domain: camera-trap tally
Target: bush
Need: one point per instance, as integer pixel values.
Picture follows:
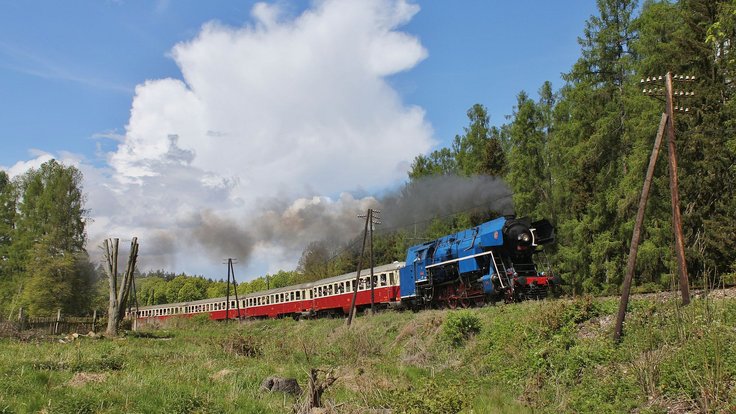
(237, 344)
(460, 326)
(433, 396)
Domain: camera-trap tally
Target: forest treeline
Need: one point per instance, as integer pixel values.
(575, 155)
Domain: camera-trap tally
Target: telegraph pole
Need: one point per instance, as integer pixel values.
(231, 274)
(374, 219)
(667, 122)
(357, 273)
(670, 108)
(675, 193)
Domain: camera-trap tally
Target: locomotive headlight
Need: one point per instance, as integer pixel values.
(524, 237)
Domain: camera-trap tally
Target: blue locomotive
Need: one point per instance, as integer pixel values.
(490, 262)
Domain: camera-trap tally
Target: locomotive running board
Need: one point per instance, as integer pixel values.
(459, 259)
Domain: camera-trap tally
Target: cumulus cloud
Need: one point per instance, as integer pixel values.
(283, 108)
(286, 104)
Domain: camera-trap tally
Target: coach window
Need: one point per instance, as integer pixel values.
(383, 279)
(291, 296)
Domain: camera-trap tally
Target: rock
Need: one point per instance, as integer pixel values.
(91, 334)
(75, 335)
(286, 385)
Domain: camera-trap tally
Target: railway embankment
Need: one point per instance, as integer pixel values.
(548, 356)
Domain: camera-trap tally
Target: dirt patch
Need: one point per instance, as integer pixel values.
(80, 379)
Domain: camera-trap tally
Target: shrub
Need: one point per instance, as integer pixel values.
(237, 344)
(460, 326)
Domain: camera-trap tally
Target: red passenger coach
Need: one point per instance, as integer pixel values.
(331, 296)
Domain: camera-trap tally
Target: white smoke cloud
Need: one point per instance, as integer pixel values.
(283, 108)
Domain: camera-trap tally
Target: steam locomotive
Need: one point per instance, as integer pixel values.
(491, 262)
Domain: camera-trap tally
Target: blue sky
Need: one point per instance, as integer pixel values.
(69, 72)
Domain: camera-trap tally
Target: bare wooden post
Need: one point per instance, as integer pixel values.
(675, 195)
(94, 320)
(634, 248)
(316, 387)
(58, 319)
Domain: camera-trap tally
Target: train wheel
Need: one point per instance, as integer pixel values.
(452, 303)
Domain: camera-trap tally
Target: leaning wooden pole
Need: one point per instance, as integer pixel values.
(634, 248)
(675, 195)
(357, 273)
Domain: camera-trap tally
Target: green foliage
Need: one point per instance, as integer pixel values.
(432, 396)
(460, 326)
(477, 151)
(43, 263)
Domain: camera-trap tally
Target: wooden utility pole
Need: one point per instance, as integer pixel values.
(374, 220)
(634, 248)
(670, 94)
(675, 194)
(357, 273)
(231, 274)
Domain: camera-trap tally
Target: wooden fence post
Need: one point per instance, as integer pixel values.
(58, 319)
(94, 320)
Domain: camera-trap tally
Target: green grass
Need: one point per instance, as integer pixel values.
(550, 356)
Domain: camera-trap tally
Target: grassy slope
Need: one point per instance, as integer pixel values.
(552, 356)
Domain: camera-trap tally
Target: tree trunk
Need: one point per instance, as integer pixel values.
(119, 294)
